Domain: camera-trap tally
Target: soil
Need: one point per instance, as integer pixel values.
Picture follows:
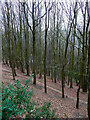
(65, 107)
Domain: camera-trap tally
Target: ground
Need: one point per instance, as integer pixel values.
(65, 107)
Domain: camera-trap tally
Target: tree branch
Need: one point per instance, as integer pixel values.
(26, 17)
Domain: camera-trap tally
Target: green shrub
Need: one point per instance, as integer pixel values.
(42, 112)
(16, 100)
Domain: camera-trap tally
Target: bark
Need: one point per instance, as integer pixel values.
(89, 78)
(12, 62)
(75, 22)
(45, 52)
(21, 53)
(88, 70)
(34, 42)
(77, 104)
(63, 82)
(26, 33)
(8, 20)
(16, 51)
(40, 72)
(52, 74)
(83, 66)
(64, 64)
(12, 41)
(54, 52)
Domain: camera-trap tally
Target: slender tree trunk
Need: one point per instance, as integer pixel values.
(77, 104)
(51, 73)
(89, 78)
(57, 73)
(78, 62)
(12, 61)
(27, 53)
(75, 22)
(63, 82)
(45, 52)
(34, 42)
(16, 51)
(8, 18)
(68, 77)
(83, 71)
(63, 67)
(40, 71)
(21, 52)
(26, 33)
(54, 52)
(88, 70)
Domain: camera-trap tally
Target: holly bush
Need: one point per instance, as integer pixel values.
(16, 100)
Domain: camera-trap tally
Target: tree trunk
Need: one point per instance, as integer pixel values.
(12, 61)
(8, 18)
(21, 54)
(83, 66)
(75, 22)
(45, 52)
(34, 42)
(26, 32)
(65, 60)
(77, 104)
(51, 73)
(54, 52)
(40, 71)
(89, 78)
(63, 82)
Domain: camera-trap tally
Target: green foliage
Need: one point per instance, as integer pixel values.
(43, 112)
(17, 100)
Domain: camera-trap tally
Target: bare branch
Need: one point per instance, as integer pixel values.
(26, 17)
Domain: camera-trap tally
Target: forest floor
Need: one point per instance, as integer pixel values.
(65, 107)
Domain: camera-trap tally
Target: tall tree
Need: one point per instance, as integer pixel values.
(88, 70)
(21, 49)
(45, 52)
(75, 21)
(8, 26)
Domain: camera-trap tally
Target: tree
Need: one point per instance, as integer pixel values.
(8, 25)
(64, 63)
(45, 53)
(88, 70)
(26, 34)
(89, 78)
(75, 22)
(20, 37)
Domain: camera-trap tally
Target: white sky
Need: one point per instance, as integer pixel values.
(66, 3)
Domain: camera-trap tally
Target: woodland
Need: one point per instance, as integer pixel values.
(45, 58)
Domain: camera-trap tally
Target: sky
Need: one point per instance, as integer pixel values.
(66, 3)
